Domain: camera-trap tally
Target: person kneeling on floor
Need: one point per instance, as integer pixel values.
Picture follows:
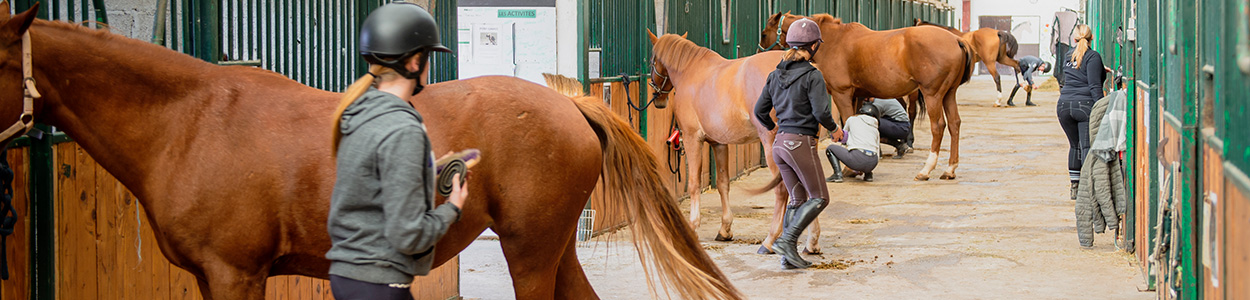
(894, 126)
(863, 145)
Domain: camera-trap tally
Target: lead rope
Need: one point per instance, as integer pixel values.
(675, 146)
(629, 99)
(8, 216)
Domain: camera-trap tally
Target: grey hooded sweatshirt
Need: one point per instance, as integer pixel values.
(797, 91)
(383, 223)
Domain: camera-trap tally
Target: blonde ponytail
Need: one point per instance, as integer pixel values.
(796, 54)
(354, 91)
(1082, 36)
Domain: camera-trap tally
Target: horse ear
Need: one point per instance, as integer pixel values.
(5, 9)
(18, 24)
(683, 35)
(651, 36)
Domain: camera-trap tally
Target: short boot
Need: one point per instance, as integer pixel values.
(837, 167)
(900, 148)
(787, 243)
(868, 176)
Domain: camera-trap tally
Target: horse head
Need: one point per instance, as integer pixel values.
(661, 86)
(774, 35)
(12, 81)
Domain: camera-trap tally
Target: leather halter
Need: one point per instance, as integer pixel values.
(777, 40)
(658, 90)
(29, 94)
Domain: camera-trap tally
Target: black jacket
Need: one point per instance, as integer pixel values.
(1083, 83)
(797, 91)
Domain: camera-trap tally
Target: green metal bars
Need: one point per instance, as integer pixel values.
(310, 41)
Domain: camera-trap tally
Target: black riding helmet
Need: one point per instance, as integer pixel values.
(394, 32)
(869, 109)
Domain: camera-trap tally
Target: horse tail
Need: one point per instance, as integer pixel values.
(1007, 44)
(767, 187)
(666, 243)
(968, 61)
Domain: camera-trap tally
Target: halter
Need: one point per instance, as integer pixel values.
(776, 41)
(658, 90)
(29, 94)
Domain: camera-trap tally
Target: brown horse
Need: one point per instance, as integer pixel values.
(861, 62)
(713, 101)
(233, 164)
(991, 46)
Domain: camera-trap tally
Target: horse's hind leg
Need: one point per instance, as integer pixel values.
(571, 280)
(953, 120)
(721, 153)
(532, 255)
(998, 84)
(782, 196)
(937, 124)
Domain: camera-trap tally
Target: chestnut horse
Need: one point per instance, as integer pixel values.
(233, 165)
(991, 46)
(861, 62)
(713, 101)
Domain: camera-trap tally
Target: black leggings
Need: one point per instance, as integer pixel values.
(345, 288)
(799, 166)
(1074, 118)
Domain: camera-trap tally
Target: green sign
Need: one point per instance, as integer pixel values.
(518, 13)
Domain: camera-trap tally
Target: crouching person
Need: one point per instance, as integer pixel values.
(863, 146)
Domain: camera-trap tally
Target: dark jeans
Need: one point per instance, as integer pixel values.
(857, 159)
(345, 288)
(895, 132)
(797, 159)
(1074, 118)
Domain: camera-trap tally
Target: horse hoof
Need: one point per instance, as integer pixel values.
(764, 250)
(721, 238)
(922, 177)
(948, 176)
(811, 252)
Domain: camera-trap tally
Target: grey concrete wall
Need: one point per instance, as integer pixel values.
(132, 18)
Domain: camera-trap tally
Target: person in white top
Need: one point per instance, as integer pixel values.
(863, 145)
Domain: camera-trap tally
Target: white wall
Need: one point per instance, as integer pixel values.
(1043, 10)
(567, 49)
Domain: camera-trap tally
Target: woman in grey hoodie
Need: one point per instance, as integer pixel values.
(383, 223)
(796, 90)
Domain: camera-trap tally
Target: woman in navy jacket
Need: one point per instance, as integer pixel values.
(1083, 76)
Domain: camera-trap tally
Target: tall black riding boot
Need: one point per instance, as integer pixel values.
(837, 167)
(787, 243)
(1013, 95)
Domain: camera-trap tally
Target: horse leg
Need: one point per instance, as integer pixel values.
(782, 195)
(937, 124)
(914, 101)
(813, 237)
(952, 120)
(694, 173)
(531, 251)
(571, 282)
(721, 153)
(998, 84)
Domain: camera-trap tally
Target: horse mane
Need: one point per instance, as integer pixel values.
(677, 52)
(106, 37)
(920, 22)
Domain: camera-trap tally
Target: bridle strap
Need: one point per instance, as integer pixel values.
(658, 90)
(777, 40)
(29, 94)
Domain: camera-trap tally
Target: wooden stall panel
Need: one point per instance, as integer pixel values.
(17, 245)
(1144, 162)
(1213, 221)
(1237, 258)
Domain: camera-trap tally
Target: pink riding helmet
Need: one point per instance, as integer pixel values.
(803, 32)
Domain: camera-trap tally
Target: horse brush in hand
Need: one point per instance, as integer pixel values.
(453, 165)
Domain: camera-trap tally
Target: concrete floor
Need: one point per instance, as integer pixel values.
(1005, 229)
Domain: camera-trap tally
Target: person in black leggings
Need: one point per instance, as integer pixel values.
(796, 90)
(1083, 77)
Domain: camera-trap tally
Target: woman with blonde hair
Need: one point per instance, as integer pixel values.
(1083, 76)
(796, 90)
(383, 224)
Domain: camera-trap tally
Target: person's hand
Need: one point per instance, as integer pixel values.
(1023, 84)
(458, 193)
(836, 135)
(1037, 86)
